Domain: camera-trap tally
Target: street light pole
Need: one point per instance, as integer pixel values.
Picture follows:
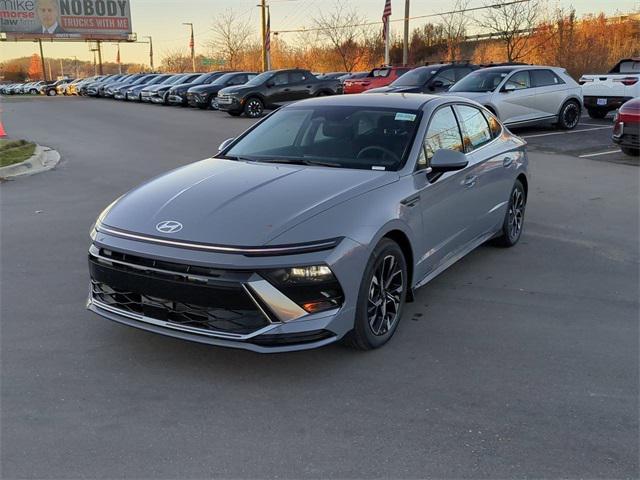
(263, 8)
(44, 71)
(150, 51)
(192, 45)
(405, 47)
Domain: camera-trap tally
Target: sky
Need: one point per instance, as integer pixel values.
(162, 19)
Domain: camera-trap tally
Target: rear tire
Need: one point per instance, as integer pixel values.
(569, 115)
(632, 152)
(597, 113)
(381, 298)
(513, 217)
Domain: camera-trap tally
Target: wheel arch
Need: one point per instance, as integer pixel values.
(525, 184)
(570, 98)
(402, 239)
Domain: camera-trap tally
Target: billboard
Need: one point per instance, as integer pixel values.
(65, 19)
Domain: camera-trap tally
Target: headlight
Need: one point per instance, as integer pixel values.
(314, 287)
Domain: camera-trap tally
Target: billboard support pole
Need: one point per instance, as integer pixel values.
(100, 58)
(44, 70)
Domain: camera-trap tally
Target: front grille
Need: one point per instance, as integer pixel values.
(183, 295)
(179, 313)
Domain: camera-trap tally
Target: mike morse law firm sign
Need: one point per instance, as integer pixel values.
(65, 19)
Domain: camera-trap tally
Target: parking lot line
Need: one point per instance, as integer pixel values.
(565, 133)
(599, 153)
(593, 124)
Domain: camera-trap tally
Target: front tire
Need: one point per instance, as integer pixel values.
(253, 108)
(51, 93)
(569, 115)
(632, 152)
(597, 113)
(381, 298)
(514, 217)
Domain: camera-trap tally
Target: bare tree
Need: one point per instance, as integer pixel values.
(340, 28)
(513, 24)
(231, 37)
(454, 28)
(177, 60)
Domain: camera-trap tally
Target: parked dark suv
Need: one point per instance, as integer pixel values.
(428, 79)
(273, 88)
(206, 96)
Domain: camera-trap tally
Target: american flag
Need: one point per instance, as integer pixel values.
(267, 37)
(386, 13)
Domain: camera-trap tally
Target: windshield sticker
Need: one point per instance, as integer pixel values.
(407, 117)
(376, 167)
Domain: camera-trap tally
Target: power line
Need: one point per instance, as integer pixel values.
(318, 29)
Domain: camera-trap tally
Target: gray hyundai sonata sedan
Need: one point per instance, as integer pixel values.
(316, 224)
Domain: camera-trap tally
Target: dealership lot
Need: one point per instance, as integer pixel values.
(519, 362)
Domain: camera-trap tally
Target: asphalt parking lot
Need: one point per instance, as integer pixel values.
(512, 363)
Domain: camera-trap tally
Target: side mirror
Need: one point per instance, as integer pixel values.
(270, 83)
(437, 84)
(225, 144)
(445, 160)
(509, 87)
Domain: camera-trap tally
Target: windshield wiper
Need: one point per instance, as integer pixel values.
(301, 161)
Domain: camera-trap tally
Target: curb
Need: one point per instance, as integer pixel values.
(42, 160)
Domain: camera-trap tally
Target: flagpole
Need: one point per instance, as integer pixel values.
(386, 13)
(119, 64)
(268, 38)
(386, 44)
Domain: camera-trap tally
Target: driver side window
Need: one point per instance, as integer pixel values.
(443, 133)
(519, 80)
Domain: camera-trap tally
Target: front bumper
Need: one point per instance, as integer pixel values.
(175, 99)
(267, 333)
(196, 100)
(229, 103)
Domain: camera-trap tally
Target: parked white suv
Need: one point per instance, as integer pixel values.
(525, 94)
(604, 93)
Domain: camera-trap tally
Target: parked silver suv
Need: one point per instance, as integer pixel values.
(525, 94)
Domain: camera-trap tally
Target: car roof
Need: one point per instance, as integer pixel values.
(413, 101)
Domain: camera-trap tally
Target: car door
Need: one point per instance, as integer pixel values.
(444, 199)
(489, 178)
(516, 100)
(300, 85)
(278, 88)
(550, 91)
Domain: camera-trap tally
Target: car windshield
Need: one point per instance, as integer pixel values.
(334, 136)
(202, 78)
(260, 79)
(158, 79)
(223, 79)
(415, 77)
(481, 81)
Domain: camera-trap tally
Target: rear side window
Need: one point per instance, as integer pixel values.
(519, 80)
(443, 133)
(475, 129)
(280, 79)
(544, 78)
(494, 124)
(295, 77)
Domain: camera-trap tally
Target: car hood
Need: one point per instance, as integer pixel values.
(236, 90)
(396, 89)
(182, 87)
(227, 202)
(209, 88)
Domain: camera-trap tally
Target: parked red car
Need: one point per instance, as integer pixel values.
(378, 77)
(626, 131)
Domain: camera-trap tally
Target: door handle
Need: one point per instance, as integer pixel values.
(470, 181)
(506, 163)
(411, 201)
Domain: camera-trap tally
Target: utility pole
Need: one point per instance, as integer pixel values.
(119, 62)
(150, 51)
(75, 63)
(49, 64)
(192, 45)
(61, 69)
(44, 71)
(405, 47)
(100, 57)
(263, 8)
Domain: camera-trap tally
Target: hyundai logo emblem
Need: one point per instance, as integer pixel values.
(169, 226)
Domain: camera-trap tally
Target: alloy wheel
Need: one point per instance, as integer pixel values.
(516, 213)
(385, 294)
(254, 108)
(571, 115)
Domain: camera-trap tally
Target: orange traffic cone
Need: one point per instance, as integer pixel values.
(2, 132)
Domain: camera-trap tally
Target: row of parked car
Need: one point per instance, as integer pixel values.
(518, 94)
